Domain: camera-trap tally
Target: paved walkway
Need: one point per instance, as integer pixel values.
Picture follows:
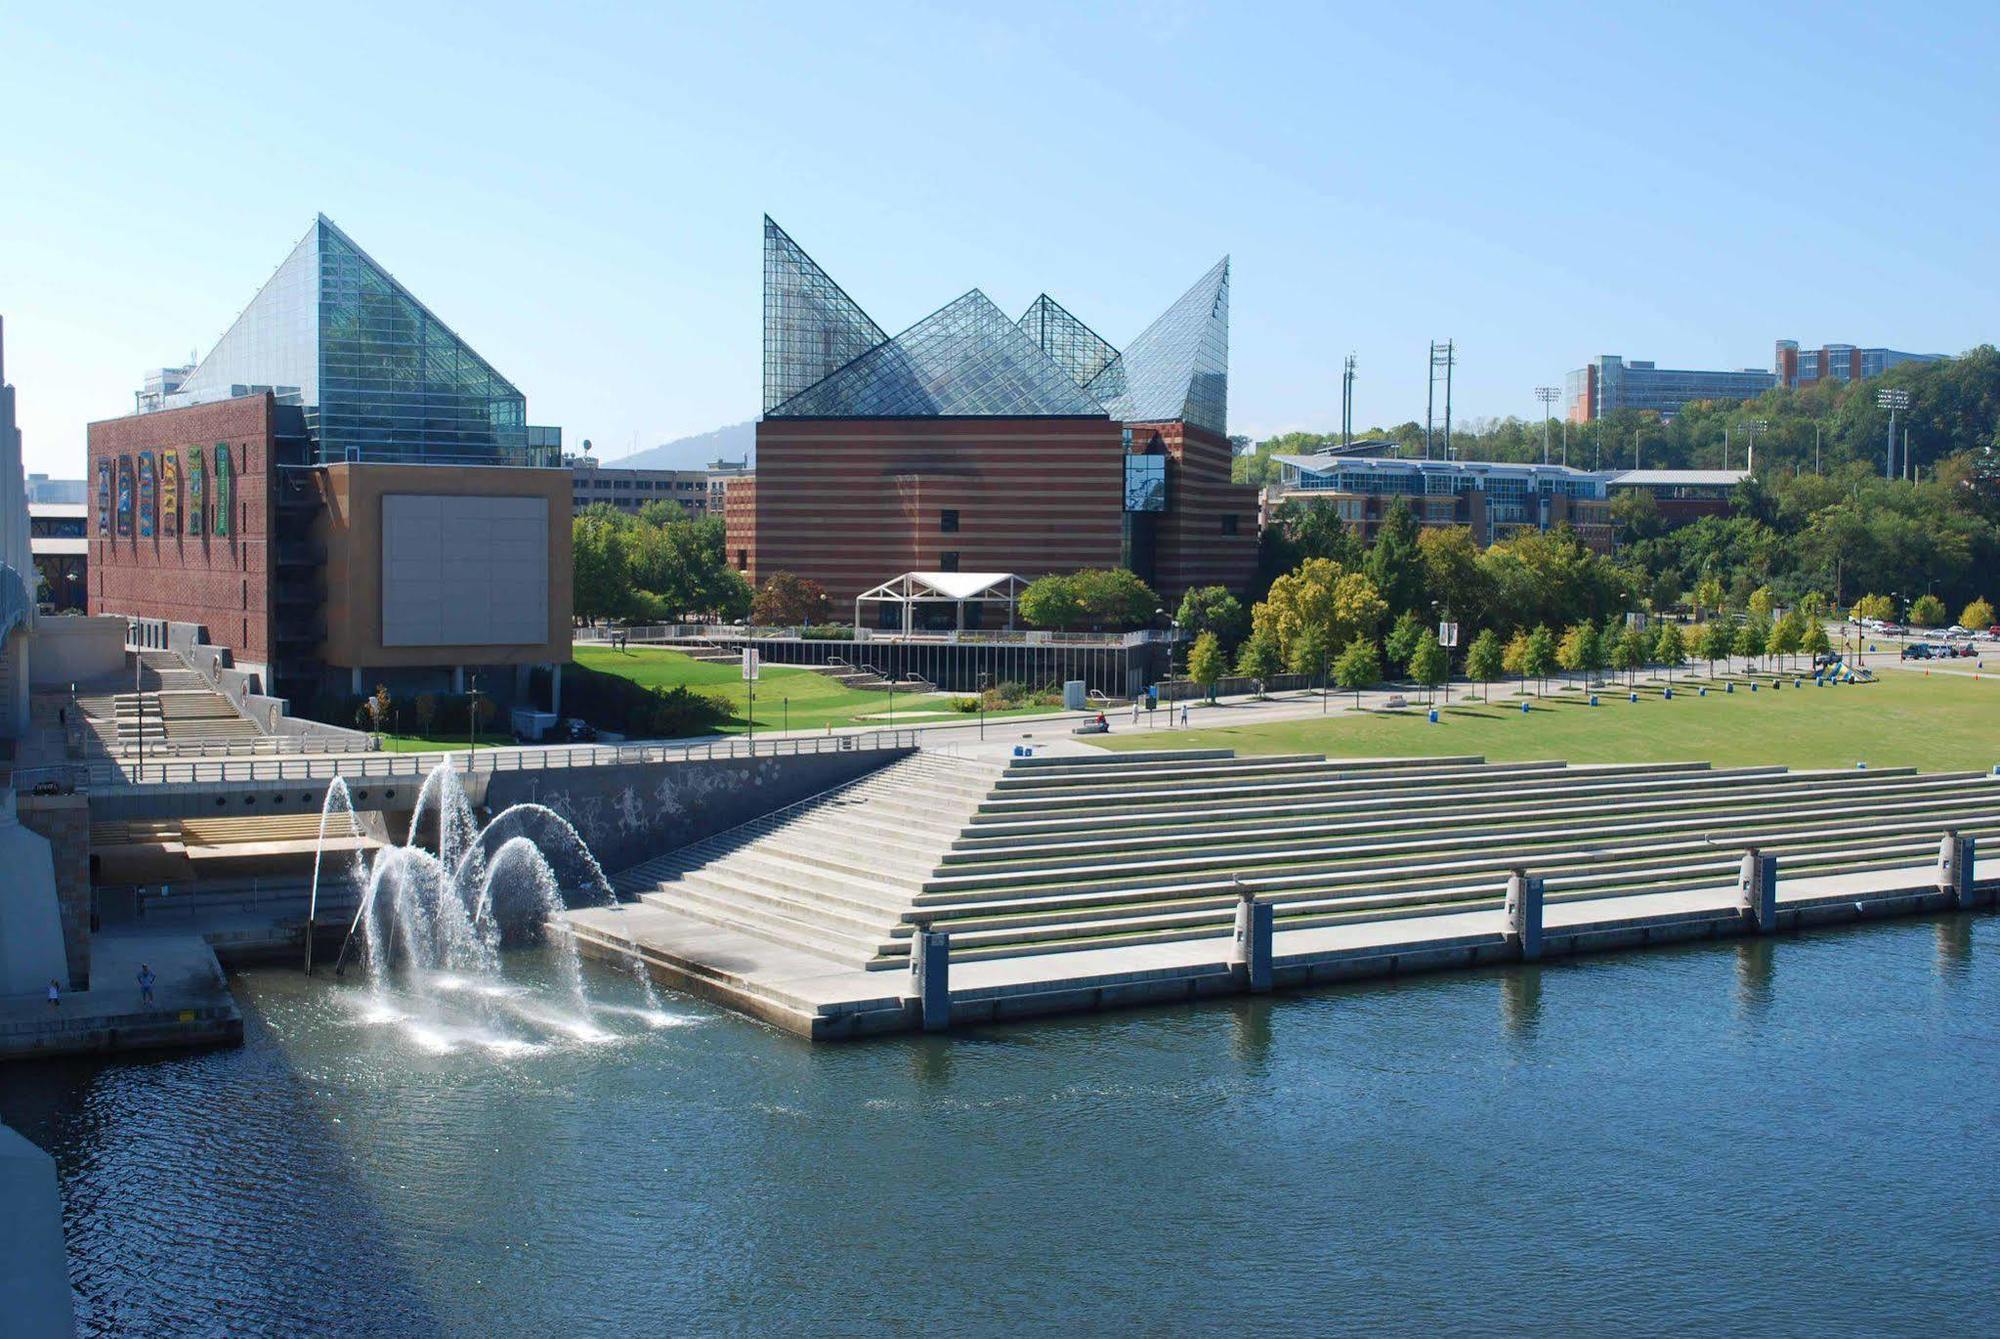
(191, 1001)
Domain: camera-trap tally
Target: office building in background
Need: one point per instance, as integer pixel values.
(1608, 383)
(1802, 369)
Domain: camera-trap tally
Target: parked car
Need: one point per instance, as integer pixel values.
(1891, 629)
(1919, 651)
(1955, 632)
(1994, 632)
(579, 731)
(1965, 650)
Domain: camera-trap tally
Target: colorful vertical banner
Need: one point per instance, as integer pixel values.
(197, 491)
(223, 488)
(147, 497)
(124, 496)
(104, 497)
(170, 493)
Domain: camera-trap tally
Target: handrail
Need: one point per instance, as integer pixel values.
(488, 761)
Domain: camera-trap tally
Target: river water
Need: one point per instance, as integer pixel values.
(1788, 1137)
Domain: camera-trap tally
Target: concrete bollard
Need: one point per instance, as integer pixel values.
(1255, 923)
(1757, 890)
(1956, 854)
(1524, 914)
(930, 973)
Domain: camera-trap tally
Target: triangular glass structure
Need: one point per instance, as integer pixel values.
(1178, 367)
(380, 376)
(1077, 349)
(394, 380)
(812, 328)
(965, 359)
(275, 342)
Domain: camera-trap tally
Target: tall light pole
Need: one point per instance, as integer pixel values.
(1894, 401)
(1347, 402)
(1757, 425)
(1548, 396)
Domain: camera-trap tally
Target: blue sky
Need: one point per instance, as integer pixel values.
(577, 190)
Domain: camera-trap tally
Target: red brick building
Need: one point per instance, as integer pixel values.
(973, 442)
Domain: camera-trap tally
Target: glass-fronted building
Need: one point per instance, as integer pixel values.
(379, 376)
(1495, 500)
(973, 441)
(1800, 369)
(1609, 383)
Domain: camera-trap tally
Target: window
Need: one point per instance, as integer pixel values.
(1229, 523)
(948, 561)
(948, 521)
(742, 560)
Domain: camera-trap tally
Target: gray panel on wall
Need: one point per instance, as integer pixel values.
(464, 571)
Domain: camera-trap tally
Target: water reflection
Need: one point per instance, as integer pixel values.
(1250, 1030)
(1756, 965)
(1954, 946)
(1521, 1000)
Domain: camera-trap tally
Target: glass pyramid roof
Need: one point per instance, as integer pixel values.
(380, 376)
(966, 359)
(1079, 350)
(811, 328)
(1178, 367)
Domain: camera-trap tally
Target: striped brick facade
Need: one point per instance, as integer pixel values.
(851, 503)
(1198, 546)
(220, 581)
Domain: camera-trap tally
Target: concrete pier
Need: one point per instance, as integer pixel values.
(34, 1267)
(1525, 893)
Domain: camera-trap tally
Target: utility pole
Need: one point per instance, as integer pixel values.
(1347, 402)
(1443, 358)
(1893, 401)
(1815, 450)
(1547, 395)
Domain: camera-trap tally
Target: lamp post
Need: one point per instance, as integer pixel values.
(471, 723)
(1893, 400)
(1548, 396)
(1757, 425)
(984, 679)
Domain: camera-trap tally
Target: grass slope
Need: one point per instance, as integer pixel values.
(815, 701)
(1937, 724)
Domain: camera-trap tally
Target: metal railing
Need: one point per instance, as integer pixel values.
(502, 759)
(657, 633)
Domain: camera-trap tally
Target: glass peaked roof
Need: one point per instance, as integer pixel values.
(1080, 351)
(824, 357)
(1178, 367)
(811, 328)
(964, 360)
(380, 376)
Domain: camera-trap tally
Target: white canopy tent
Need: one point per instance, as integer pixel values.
(959, 589)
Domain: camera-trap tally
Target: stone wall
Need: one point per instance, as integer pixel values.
(628, 814)
(64, 820)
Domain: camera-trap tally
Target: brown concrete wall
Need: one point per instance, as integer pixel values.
(64, 820)
(353, 534)
(219, 581)
(1194, 547)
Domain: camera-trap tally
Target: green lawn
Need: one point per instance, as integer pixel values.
(786, 695)
(439, 743)
(1944, 723)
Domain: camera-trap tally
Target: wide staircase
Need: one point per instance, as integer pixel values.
(1066, 853)
(172, 710)
(834, 874)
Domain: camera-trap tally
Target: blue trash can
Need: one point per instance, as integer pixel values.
(1729, 688)
(1668, 695)
(1633, 696)
(1524, 709)
(1704, 692)
(1593, 699)
(1434, 715)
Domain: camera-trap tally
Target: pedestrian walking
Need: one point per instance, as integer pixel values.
(146, 980)
(55, 994)
(1183, 715)
(1135, 712)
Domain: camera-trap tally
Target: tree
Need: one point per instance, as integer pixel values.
(1631, 653)
(1213, 609)
(1312, 651)
(426, 706)
(1320, 593)
(1788, 635)
(1670, 649)
(1753, 638)
(1878, 607)
(1577, 648)
(1205, 662)
(1762, 602)
(788, 600)
(1538, 659)
(1259, 658)
(1428, 662)
(601, 583)
(1485, 661)
(1114, 599)
(1394, 564)
(1978, 615)
(1708, 596)
(1357, 668)
(1514, 659)
(1050, 602)
(1403, 638)
(1816, 643)
(1927, 612)
(1718, 641)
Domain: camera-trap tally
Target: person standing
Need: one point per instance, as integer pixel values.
(146, 980)
(55, 994)
(1183, 715)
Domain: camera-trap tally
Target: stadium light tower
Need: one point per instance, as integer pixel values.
(1893, 401)
(1548, 396)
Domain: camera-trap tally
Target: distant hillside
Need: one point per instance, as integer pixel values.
(738, 441)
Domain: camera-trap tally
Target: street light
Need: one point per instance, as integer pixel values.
(1548, 395)
(1757, 425)
(1893, 400)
